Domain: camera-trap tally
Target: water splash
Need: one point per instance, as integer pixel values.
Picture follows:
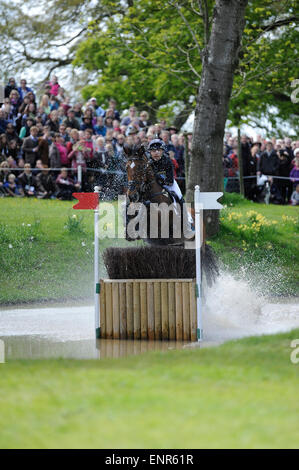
(234, 309)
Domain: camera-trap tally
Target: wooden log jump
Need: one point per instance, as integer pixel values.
(150, 309)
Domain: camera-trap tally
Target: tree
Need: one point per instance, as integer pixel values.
(219, 61)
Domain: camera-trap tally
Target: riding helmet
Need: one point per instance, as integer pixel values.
(155, 144)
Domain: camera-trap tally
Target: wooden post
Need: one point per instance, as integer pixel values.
(178, 311)
(136, 309)
(109, 320)
(171, 310)
(115, 301)
(186, 312)
(164, 310)
(157, 306)
(122, 311)
(143, 313)
(130, 321)
(150, 311)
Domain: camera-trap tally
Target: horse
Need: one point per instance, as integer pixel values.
(154, 202)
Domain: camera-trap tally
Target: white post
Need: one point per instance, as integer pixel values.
(79, 175)
(96, 269)
(197, 207)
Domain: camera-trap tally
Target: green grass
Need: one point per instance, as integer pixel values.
(45, 255)
(267, 257)
(243, 394)
(52, 259)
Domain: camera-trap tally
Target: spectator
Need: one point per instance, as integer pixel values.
(4, 173)
(4, 150)
(54, 86)
(24, 89)
(132, 115)
(112, 107)
(269, 162)
(174, 163)
(295, 196)
(3, 122)
(45, 105)
(71, 120)
(30, 147)
(284, 185)
(53, 121)
(294, 174)
(86, 124)
(28, 181)
(63, 133)
(12, 188)
(58, 152)
(25, 130)
(9, 87)
(100, 128)
(45, 184)
(288, 148)
(66, 186)
(77, 152)
(97, 110)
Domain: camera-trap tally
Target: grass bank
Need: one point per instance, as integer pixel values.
(260, 243)
(243, 394)
(46, 254)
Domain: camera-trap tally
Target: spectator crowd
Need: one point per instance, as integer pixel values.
(270, 168)
(44, 141)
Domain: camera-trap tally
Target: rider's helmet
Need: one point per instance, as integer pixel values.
(156, 144)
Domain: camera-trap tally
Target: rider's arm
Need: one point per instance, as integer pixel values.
(169, 173)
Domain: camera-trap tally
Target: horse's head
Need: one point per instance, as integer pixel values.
(136, 168)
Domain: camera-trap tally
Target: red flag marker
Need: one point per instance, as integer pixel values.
(86, 200)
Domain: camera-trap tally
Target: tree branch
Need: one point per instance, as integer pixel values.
(279, 23)
(72, 39)
(178, 8)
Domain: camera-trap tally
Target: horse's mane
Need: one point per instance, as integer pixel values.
(135, 151)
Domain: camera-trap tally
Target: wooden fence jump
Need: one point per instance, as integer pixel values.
(150, 309)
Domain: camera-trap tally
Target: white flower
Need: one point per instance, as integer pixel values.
(83, 243)
(31, 238)
(23, 224)
(74, 216)
(28, 225)
(10, 245)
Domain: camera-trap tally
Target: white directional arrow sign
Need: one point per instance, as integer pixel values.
(202, 201)
(209, 200)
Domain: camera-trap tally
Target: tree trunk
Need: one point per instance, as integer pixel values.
(219, 61)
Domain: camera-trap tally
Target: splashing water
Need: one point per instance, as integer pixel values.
(233, 309)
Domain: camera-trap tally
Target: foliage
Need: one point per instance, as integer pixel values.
(150, 53)
(75, 224)
(151, 56)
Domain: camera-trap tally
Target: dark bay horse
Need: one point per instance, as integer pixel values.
(157, 207)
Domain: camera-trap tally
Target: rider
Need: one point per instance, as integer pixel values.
(163, 168)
